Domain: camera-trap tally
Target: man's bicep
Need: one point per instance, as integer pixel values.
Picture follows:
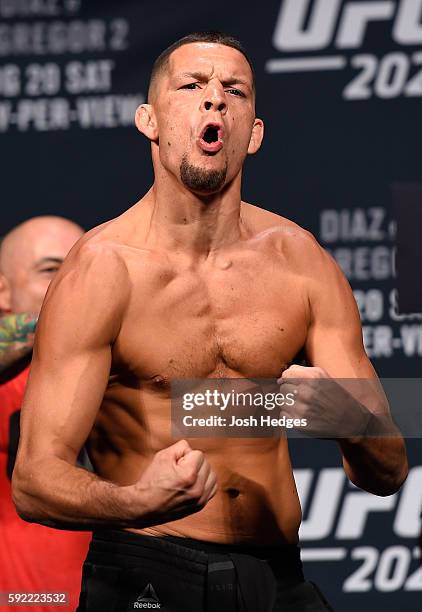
(70, 368)
(61, 403)
(334, 340)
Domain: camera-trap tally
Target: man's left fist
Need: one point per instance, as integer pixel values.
(330, 410)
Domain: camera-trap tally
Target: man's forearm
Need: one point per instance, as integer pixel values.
(376, 462)
(68, 497)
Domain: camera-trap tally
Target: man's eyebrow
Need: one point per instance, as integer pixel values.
(49, 260)
(202, 76)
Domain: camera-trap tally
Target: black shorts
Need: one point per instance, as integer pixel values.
(124, 571)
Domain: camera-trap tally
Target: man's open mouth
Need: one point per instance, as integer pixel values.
(211, 138)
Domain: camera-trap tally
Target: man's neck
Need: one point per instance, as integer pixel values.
(197, 225)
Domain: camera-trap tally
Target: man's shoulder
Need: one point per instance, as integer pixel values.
(302, 255)
(285, 233)
(116, 239)
(100, 248)
(298, 247)
(95, 269)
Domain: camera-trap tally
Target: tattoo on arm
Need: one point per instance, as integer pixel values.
(16, 338)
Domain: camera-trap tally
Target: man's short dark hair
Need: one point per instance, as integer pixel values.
(218, 38)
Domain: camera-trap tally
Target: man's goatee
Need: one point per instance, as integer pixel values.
(200, 180)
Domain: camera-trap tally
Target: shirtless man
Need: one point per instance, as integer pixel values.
(191, 282)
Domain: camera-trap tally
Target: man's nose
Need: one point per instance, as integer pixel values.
(214, 98)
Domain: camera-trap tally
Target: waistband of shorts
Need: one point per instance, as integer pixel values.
(284, 559)
(266, 553)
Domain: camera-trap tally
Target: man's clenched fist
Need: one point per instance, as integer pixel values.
(179, 481)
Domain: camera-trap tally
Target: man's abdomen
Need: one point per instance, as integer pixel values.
(256, 502)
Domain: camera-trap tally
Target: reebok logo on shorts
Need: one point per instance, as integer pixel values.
(148, 599)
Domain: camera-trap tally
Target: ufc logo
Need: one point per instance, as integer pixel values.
(310, 25)
(331, 509)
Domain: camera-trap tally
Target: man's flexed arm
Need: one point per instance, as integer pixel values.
(335, 349)
(69, 373)
(80, 319)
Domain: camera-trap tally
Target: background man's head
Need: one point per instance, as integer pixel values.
(30, 255)
(200, 116)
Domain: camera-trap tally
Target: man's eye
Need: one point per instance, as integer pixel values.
(190, 86)
(236, 92)
(49, 270)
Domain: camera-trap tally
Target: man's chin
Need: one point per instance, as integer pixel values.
(205, 193)
(202, 180)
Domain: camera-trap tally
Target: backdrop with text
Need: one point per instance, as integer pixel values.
(339, 87)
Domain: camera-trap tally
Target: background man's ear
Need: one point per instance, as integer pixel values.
(256, 136)
(146, 122)
(5, 295)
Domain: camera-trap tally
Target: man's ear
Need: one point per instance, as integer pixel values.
(146, 121)
(5, 295)
(256, 136)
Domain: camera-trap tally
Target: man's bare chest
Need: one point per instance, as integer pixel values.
(227, 320)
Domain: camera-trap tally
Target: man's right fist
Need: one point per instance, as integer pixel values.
(179, 481)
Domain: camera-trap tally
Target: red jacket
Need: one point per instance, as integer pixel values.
(32, 558)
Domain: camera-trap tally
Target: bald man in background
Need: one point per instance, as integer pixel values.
(33, 558)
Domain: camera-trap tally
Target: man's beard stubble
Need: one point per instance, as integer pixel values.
(200, 180)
